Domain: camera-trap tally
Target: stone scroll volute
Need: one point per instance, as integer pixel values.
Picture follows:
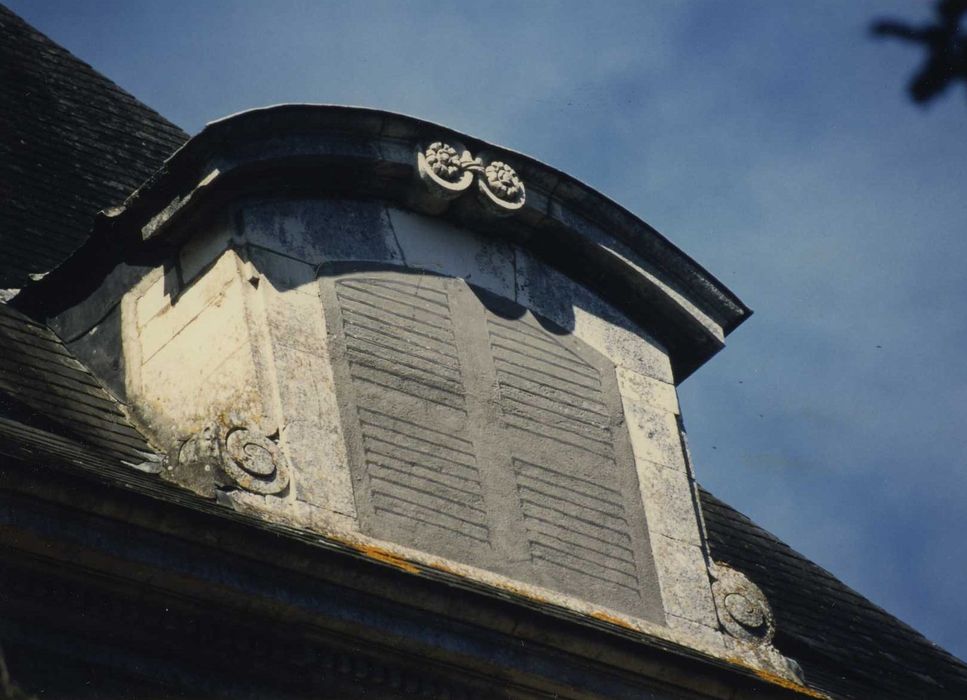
(742, 607)
(235, 457)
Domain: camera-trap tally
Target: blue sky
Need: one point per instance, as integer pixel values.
(773, 142)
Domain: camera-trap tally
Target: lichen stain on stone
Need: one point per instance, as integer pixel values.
(384, 556)
(612, 619)
(775, 679)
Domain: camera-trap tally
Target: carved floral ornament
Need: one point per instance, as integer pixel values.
(245, 457)
(742, 608)
(449, 169)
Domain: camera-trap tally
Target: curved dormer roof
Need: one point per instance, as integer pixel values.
(372, 153)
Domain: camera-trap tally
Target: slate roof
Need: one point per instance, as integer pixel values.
(42, 385)
(847, 646)
(71, 144)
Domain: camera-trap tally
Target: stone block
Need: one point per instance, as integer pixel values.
(606, 330)
(157, 295)
(202, 249)
(295, 320)
(645, 390)
(321, 230)
(398, 153)
(654, 435)
(208, 290)
(283, 273)
(318, 458)
(669, 506)
(434, 245)
(544, 290)
(555, 296)
(701, 633)
(686, 591)
(312, 434)
(209, 360)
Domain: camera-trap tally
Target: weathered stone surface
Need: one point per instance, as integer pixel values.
(321, 230)
(204, 344)
(230, 454)
(655, 435)
(155, 293)
(684, 579)
(743, 609)
(420, 410)
(516, 423)
(311, 432)
(643, 389)
(669, 502)
(573, 307)
(284, 273)
(650, 409)
(162, 315)
(710, 636)
(430, 244)
(202, 250)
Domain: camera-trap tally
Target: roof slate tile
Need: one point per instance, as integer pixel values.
(71, 144)
(847, 646)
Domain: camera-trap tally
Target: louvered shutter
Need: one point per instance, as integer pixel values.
(484, 434)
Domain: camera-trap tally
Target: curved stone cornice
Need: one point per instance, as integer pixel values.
(348, 151)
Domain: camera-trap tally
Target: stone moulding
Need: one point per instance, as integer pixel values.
(320, 150)
(449, 169)
(249, 460)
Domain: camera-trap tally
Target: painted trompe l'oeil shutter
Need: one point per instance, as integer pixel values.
(482, 433)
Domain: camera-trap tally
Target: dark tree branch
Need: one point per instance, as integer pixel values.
(946, 46)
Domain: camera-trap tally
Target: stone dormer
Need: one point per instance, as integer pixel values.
(433, 350)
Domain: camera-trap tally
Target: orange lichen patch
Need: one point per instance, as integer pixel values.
(612, 619)
(790, 685)
(381, 555)
(518, 591)
(506, 586)
(385, 556)
(440, 566)
(778, 680)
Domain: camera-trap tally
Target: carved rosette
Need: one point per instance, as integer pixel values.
(449, 169)
(446, 169)
(501, 187)
(742, 608)
(444, 161)
(248, 459)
